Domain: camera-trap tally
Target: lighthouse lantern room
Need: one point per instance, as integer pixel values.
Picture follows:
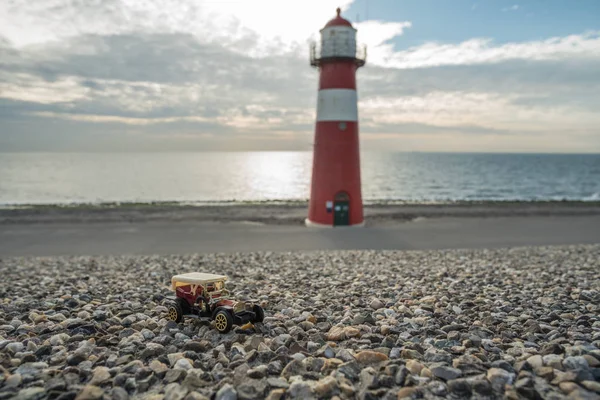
(335, 191)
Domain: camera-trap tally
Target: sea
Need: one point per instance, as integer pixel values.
(230, 177)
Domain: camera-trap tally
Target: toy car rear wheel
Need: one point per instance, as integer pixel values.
(175, 313)
(223, 321)
(259, 313)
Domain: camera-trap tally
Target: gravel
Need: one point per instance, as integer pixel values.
(512, 323)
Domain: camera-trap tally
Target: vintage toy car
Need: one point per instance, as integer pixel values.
(203, 296)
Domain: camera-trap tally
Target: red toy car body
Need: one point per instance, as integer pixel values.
(203, 296)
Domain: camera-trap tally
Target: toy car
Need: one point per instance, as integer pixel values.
(203, 296)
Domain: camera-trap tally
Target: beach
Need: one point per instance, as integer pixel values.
(292, 213)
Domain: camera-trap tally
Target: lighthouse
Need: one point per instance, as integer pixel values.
(335, 191)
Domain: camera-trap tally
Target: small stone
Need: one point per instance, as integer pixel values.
(446, 373)
(376, 304)
(437, 388)
(325, 386)
(13, 380)
(592, 361)
(460, 387)
(227, 392)
(251, 389)
(482, 387)
(350, 370)
(14, 347)
(274, 367)
(300, 390)
(56, 340)
(553, 361)
(499, 377)
(409, 354)
(401, 374)
(414, 367)
(175, 375)
(279, 383)
(326, 351)
(101, 375)
(175, 391)
(90, 392)
(336, 333)
(545, 372)
(75, 359)
(568, 387)
(174, 357)
(591, 385)
(406, 392)
(183, 364)
(33, 393)
(367, 357)
(258, 372)
(197, 346)
(158, 368)
(118, 393)
(535, 361)
(395, 353)
(275, 394)
(345, 355)
(339, 333)
(576, 363)
(294, 367)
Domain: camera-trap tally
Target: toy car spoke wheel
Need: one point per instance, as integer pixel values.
(223, 321)
(175, 313)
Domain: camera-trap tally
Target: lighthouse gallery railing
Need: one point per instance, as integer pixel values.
(316, 58)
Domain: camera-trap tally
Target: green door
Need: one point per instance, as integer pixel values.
(341, 213)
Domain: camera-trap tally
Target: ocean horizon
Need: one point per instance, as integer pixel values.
(43, 178)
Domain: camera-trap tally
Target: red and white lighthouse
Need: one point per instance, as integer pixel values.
(335, 194)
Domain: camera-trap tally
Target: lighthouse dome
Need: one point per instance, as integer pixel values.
(338, 38)
(338, 20)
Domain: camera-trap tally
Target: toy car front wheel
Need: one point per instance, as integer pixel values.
(175, 313)
(223, 321)
(259, 313)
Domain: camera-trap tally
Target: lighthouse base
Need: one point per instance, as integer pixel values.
(312, 224)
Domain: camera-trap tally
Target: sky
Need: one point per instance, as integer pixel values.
(200, 75)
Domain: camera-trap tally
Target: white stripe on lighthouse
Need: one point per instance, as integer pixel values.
(337, 105)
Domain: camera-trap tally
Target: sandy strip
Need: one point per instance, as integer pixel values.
(287, 213)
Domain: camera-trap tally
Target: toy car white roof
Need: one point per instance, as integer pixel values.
(196, 278)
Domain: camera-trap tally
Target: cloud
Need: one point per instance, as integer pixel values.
(514, 7)
(222, 75)
(482, 51)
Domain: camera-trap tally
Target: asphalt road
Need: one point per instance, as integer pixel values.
(193, 237)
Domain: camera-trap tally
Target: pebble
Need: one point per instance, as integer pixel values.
(227, 392)
(414, 367)
(370, 357)
(499, 377)
(90, 392)
(576, 363)
(446, 373)
(376, 304)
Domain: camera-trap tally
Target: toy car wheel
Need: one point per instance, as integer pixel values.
(223, 321)
(185, 306)
(259, 313)
(175, 313)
